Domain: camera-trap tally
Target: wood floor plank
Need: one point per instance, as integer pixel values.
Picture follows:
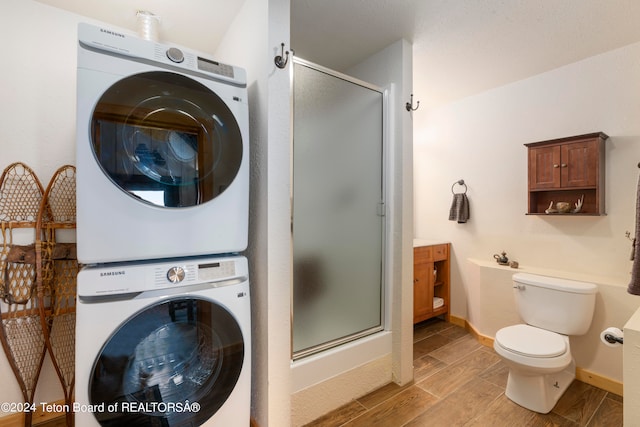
(615, 397)
(339, 416)
(456, 349)
(380, 395)
(397, 410)
(426, 366)
(429, 327)
(454, 332)
(579, 402)
(497, 374)
(502, 412)
(466, 403)
(453, 376)
(55, 422)
(551, 420)
(608, 414)
(429, 344)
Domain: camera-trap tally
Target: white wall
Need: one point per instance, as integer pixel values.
(269, 242)
(37, 119)
(480, 139)
(37, 113)
(268, 250)
(392, 68)
(278, 222)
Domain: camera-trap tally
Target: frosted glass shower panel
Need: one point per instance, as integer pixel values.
(337, 209)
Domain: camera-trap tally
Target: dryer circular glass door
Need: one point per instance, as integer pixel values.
(174, 363)
(166, 139)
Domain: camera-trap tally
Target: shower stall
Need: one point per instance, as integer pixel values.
(338, 213)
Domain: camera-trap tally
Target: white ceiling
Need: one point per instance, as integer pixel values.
(460, 47)
(198, 24)
(463, 47)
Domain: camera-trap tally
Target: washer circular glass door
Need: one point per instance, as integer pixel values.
(174, 363)
(166, 139)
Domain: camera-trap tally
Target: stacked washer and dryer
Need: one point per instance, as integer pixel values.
(163, 308)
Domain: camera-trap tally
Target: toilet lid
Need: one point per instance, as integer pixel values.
(532, 342)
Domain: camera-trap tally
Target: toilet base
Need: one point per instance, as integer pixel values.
(539, 393)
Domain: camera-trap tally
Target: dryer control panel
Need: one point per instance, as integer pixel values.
(122, 43)
(127, 278)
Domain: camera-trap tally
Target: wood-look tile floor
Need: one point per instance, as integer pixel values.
(56, 422)
(460, 382)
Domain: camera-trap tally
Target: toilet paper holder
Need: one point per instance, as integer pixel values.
(612, 339)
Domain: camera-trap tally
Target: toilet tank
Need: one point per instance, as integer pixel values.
(558, 305)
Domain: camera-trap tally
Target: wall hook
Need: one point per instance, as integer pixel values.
(409, 105)
(281, 60)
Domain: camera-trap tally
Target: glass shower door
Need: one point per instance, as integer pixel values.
(338, 209)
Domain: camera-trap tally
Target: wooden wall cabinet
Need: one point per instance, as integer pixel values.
(563, 170)
(431, 274)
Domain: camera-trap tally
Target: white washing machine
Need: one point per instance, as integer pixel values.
(164, 344)
(162, 151)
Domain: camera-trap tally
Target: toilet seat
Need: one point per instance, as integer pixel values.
(531, 342)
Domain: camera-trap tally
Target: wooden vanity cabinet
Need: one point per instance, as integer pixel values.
(430, 279)
(563, 170)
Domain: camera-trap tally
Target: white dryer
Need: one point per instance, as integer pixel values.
(162, 151)
(164, 344)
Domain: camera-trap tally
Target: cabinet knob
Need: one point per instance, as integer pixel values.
(556, 166)
(564, 165)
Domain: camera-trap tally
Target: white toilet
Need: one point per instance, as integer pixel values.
(538, 355)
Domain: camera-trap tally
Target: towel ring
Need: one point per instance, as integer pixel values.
(460, 182)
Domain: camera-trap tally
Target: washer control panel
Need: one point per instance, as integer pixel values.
(176, 274)
(175, 54)
(216, 270)
(148, 276)
(190, 273)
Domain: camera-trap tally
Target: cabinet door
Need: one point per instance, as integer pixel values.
(422, 291)
(579, 164)
(544, 167)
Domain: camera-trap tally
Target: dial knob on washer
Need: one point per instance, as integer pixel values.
(176, 274)
(175, 54)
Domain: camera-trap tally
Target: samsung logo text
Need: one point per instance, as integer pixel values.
(113, 33)
(113, 273)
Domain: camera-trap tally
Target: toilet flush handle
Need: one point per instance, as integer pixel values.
(520, 287)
